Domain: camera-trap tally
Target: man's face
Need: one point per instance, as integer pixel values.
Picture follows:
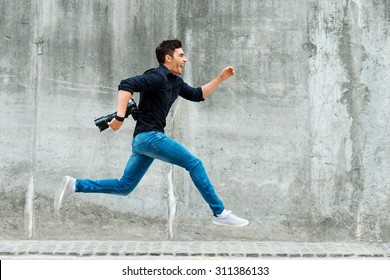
(176, 63)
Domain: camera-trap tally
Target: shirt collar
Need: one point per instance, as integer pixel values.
(165, 70)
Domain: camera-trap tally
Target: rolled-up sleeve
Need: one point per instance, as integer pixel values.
(191, 93)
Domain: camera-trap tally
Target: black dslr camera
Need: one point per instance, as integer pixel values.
(102, 122)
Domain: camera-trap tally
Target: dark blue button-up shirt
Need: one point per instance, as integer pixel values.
(158, 88)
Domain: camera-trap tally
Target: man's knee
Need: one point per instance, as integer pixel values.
(125, 187)
(194, 163)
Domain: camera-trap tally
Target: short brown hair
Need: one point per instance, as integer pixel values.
(167, 48)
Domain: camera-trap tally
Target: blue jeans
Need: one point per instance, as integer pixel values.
(148, 146)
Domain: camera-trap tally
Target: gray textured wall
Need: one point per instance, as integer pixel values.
(297, 141)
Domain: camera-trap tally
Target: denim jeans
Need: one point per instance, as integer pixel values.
(148, 146)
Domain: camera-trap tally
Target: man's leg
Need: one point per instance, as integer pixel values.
(166, 149)
(135, 169)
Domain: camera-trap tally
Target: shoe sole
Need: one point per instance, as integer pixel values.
(229, 225)
(60, 193)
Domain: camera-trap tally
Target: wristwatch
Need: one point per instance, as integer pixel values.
(119, 119)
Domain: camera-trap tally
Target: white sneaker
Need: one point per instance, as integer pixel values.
(226, 218)
(67, 188)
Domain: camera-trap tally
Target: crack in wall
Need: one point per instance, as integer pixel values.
(171, 201)
(36, 51)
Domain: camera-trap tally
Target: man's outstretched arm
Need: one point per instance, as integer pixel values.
(211, 86)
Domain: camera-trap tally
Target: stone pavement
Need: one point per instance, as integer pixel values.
(12, 249)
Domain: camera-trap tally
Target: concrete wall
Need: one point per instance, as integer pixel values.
(296, 142)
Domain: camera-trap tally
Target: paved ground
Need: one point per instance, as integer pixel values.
(187, 250)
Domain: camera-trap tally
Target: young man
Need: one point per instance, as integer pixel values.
(159, 88)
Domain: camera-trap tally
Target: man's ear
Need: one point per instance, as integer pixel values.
(168, 58)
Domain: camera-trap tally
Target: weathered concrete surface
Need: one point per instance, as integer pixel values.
(296, 141)
(347, 88)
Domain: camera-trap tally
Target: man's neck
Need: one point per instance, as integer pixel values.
(167, 66)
